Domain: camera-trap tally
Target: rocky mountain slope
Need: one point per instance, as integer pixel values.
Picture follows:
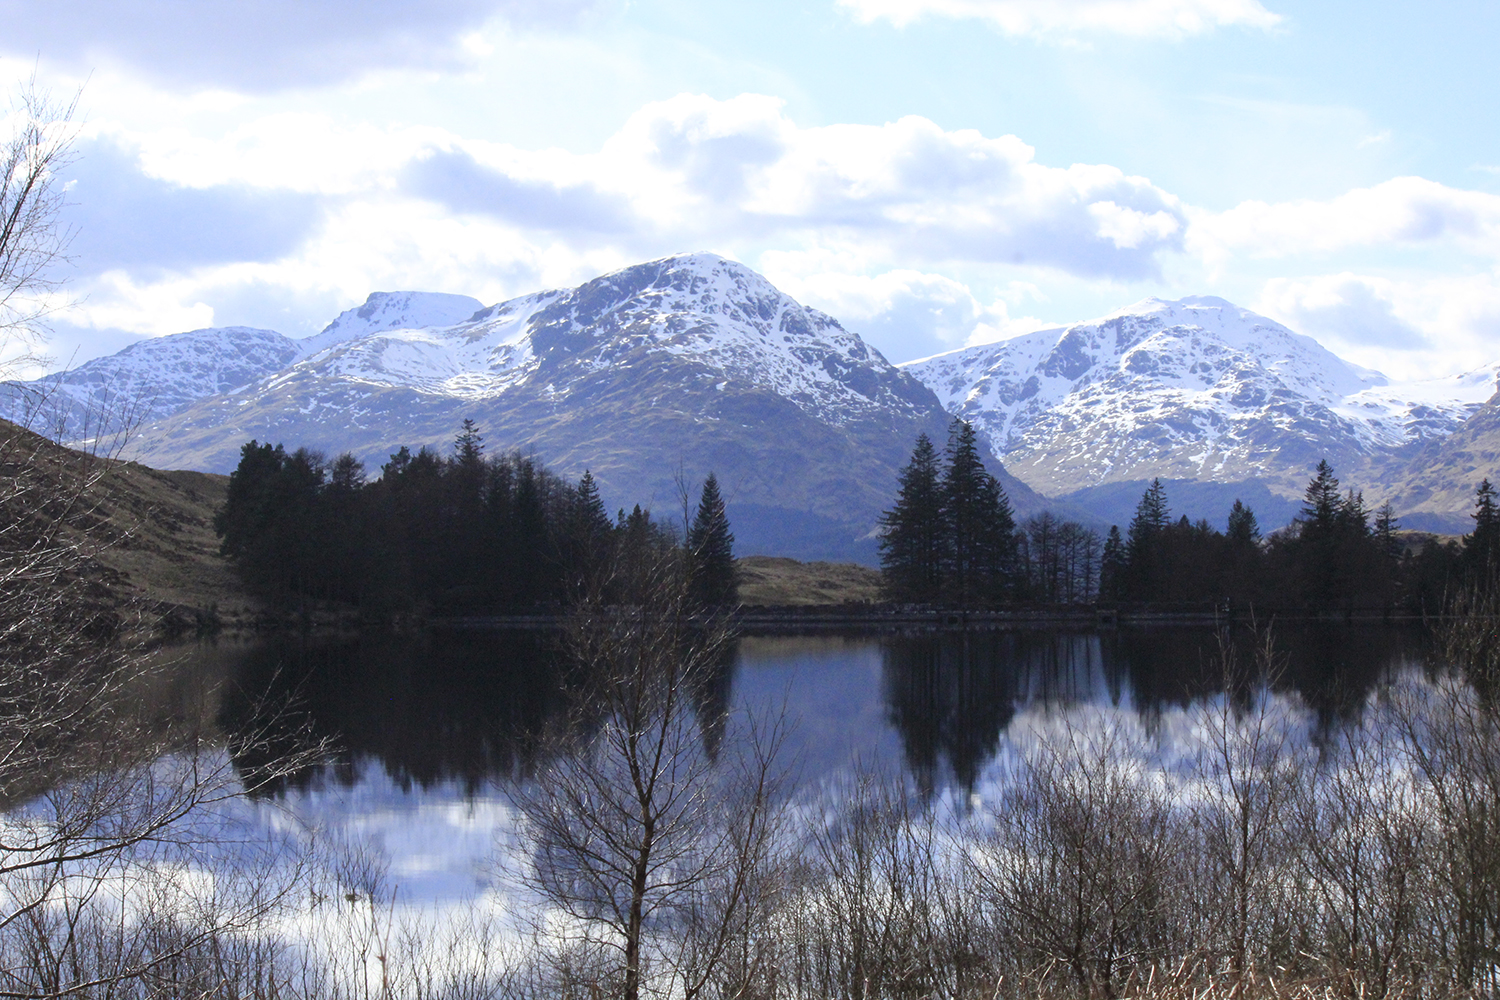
(1435, 490)
(654, 373)
(1196, 390)
(155, 378)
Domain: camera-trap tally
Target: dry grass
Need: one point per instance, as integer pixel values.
(147, 535)
(778, 581)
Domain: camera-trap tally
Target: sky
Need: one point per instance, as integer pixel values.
(934, 173)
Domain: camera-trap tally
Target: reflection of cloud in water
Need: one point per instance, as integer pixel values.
(831, 687)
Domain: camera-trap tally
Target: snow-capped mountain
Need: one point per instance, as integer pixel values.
(670, 368)
(155, 378)
(393, 311)
(1196, 389)
(148, 380)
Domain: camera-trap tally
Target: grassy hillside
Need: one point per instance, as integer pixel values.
(144, 538)
(775, 581)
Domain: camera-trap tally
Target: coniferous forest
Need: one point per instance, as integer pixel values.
(459, 533)
(952, 539)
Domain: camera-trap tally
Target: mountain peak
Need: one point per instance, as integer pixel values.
(383, 311)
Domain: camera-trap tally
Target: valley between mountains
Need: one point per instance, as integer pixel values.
(656, 374)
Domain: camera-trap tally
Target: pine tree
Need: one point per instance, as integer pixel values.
(1481, 551)
(1321, 502)
(1112, 566)
(1144, 556)
(589, 545)
(978, 522)
(912, 542)
(1386, 526)
(712, 578)
(1243, 529)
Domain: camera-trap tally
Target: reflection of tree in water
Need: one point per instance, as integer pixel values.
(432, 708)
(951, 695)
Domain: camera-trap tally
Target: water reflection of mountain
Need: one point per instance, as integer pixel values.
(951, 695)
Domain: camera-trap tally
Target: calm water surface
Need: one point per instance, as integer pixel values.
(426, 730)
(451, 709)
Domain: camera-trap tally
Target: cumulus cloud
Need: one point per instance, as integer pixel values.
(1352, 308)
(1404, 211)
(696, 170)
(456, 179)
(1407, 326)
(1043, 18)
(124, 218)
(905, 313)
(292, 214)
(261, 45)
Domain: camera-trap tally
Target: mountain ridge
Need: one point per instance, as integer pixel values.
(672, 367)
(1189, 389)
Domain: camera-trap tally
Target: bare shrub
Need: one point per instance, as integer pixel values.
(1081, 860)
(649, 838)
(1246, 769)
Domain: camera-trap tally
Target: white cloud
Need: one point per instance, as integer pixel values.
(1353, 308)
(1404, 211)
(1041, 18)
(1407, 327)
(904, 313)
(260, 45)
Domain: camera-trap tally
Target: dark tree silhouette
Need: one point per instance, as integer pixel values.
(1243, 527)
(1481, 547)
(980, 554)
(913, 540)
(713, 579)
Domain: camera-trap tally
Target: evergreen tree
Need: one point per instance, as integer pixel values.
(590, 538)
(1481, 547)
(712, 578)
(1384, 532)
(1321, 503)
(977, 519)
(1112, 566)
(1144, 555)
(912, 543)
(1244, 530)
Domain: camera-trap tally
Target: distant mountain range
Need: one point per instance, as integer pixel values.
(661, 372)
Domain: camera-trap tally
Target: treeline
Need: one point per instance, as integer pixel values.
(459, 532)
(1336, 556)
(951, 538)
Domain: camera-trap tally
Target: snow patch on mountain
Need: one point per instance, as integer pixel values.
(155, 377)
(699, 308)
(1193, 388)
(383, 311)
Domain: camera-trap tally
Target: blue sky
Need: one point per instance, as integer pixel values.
(932, 172)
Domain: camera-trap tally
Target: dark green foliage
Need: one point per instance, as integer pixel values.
(272, 524)
(1242, 528)
(1112, 566)
(979, 557)
(912, 544)
(457, 535)
(951, 537)
(712, 579)
(1481, 547)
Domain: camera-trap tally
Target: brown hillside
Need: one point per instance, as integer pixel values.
(770, 581)
(144, 537)
(1441, 478)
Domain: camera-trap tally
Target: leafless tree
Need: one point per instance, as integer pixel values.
(1081, 863)
(33, 243)
(650, 835)
(1248, 763)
